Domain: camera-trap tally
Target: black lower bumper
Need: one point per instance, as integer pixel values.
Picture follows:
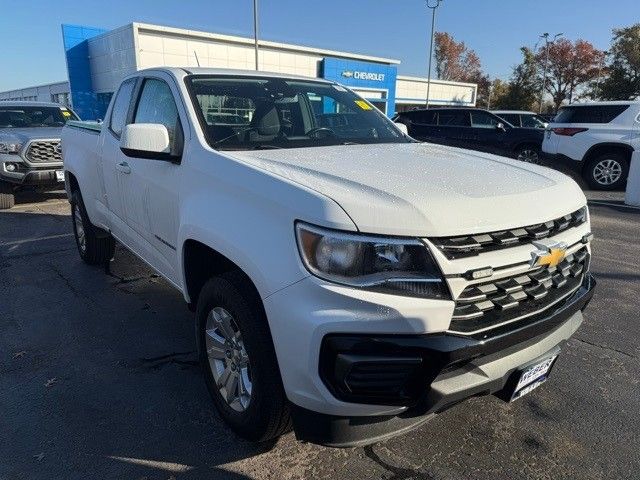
(437, 356)
(34, 178)
(561, 162)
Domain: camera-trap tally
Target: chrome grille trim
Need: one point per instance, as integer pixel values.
(43, 151)
(487, 305)
(471, 245)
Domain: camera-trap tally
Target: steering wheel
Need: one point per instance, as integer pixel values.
(314, 132)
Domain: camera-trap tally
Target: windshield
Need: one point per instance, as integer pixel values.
(27, 117)
(256, 112)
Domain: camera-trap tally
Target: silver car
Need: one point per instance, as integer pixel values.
(30, 152)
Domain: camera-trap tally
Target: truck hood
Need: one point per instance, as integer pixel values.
(23, 135)
(420, 189)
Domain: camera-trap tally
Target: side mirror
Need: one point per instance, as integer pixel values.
(146, 140)
(402, 127)
(500, 126)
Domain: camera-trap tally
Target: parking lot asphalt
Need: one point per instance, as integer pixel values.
(98, 379)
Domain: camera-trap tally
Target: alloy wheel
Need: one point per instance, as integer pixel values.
(529, 155)
(80, 233)
(607, 172)
(228, 359)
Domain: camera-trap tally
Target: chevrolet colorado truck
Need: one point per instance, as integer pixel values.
(347, 281)
(30, 146)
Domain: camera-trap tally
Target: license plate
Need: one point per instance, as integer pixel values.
(60, 175)
(532, 377)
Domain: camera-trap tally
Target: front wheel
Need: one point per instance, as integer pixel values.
(529, 154)
(238, 359)
(607, 172)
(7, 196)
(94, 246)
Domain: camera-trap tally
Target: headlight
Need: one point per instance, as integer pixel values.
(391, 265)
(10, 147)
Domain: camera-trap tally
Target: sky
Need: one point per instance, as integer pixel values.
(31, 50)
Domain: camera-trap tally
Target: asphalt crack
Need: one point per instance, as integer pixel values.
(399, 473)
(71, 287)
(604, 347)
(155, 363)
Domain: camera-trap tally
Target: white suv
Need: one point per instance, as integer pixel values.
(595, 139)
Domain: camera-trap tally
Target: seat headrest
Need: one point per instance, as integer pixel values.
(266, 119)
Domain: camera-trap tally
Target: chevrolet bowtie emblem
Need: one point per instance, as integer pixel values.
(549, 255)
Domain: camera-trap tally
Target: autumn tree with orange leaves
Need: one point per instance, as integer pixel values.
(571, 65)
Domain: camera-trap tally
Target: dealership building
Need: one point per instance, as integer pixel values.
(98, 59)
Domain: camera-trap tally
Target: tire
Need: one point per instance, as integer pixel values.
(95, 246)
(608, 171)
(528, 154)
(265, 414)
(7, 196)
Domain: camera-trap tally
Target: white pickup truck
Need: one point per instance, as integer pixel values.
(347, 281)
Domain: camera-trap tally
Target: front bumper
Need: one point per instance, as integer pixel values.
(28, 176)
(452, 369)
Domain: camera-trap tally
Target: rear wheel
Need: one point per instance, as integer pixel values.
(238, 358)
(94, 246)
(7, 196)
(528, 153)
(608, 171)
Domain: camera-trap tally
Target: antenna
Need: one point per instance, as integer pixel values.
(196, 54)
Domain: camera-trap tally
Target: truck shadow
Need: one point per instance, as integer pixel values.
(99, 372)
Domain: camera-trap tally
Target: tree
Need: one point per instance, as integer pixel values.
(458, 63)
(623, 72)
(498, 95)
(524, 85)
(570, 66)
(454, 61)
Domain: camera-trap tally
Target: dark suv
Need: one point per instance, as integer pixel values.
(474, 129)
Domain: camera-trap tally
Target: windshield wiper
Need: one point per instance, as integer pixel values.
(266, 146)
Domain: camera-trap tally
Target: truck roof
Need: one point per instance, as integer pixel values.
(181, 71)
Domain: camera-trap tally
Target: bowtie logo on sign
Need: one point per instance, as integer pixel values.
(376, 77)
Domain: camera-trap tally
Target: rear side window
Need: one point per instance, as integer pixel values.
(590, 114)
(427, 117)
(454, 118)
(121, 106)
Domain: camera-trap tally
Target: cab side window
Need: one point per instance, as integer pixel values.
(121, 105)
(157, 105)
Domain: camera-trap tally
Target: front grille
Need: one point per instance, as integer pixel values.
(44, 151)
(470, 245)
(489, 304)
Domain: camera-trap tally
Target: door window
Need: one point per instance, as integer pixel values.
(481, 119)
(157, 105)
(455, 118)
(121, 107)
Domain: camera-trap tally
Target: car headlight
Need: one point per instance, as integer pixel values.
(10, 147)
(401, 266)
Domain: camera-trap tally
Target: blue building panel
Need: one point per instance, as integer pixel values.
(84, 100)
(365, 75)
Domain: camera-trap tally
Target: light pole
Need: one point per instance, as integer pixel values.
(546, 63)
(255, 29)
(433, 5)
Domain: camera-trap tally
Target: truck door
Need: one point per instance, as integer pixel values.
(150, 187)
(111, 156)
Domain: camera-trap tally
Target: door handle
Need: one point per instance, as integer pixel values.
(123, 167)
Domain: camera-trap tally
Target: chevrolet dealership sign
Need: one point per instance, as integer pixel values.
(376, 77)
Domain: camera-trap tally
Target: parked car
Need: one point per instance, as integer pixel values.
(30, 146)
(524, 119)
(347, 278)
(595, 140)
(474, 129)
